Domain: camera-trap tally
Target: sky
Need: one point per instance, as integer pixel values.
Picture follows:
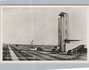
(23, 24)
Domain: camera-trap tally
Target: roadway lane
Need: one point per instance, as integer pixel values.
(30, 55)
(23, 54)
(45, 55)
(39, 56)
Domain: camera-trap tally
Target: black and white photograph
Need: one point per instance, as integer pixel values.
(44, 33)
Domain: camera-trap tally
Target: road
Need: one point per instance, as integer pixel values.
(18, 54)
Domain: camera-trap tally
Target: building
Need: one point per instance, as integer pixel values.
(63, 34)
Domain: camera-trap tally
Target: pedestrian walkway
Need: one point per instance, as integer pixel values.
(12, 54)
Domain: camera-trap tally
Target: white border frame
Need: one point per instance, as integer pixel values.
(60, 61)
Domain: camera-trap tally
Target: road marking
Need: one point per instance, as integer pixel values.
(41, 56)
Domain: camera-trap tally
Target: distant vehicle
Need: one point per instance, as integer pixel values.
(39, 49)
(55, 50)
(17, 45)
(69, 52)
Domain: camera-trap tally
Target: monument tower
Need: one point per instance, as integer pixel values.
(63, 31)
(63, 28)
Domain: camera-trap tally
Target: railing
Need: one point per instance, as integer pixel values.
(78, 50)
